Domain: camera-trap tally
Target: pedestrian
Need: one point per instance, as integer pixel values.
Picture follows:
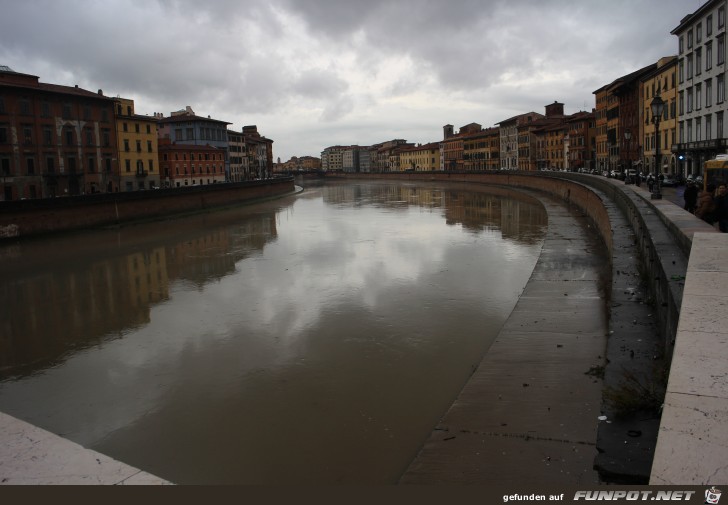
(706, 205)
(721, 204)
(650, 182)
(691, 197)
(638, 179)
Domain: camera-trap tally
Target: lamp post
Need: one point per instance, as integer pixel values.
(627, 138)
(657, 106)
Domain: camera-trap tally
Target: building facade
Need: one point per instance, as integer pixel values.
(421, 158)
(660, 82)
(581, 144)
(54, 140)
(185, 127)
(138, 154)
(509, 138)
(191, 165)
(332, 159)
(701, 86)
(481, 150)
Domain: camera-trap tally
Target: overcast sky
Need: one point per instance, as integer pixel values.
(316, 73)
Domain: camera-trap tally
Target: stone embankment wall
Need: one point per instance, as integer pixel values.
(35, 217)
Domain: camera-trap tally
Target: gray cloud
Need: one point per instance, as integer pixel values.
(292, 66)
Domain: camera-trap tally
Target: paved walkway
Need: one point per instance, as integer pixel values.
(530, 411)
(30, 455)
(693, 438)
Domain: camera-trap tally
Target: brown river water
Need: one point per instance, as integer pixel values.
(313, 339)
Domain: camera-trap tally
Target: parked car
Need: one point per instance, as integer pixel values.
(669, 181)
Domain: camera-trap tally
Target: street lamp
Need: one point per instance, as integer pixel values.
(657, 106)
(627, 138)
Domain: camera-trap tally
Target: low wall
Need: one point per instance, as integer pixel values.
(35, 217)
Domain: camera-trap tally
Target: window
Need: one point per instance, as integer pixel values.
(5, 166)
(3, 134)
(720, 98)
(721, 17)
(698, 129)
(151, 165)
(136, 127)
(149, 129)
(690, 66)
(708, 55)
(125, 127)
(27, 135)
(721, 49)
(698, 61)
(719, 125)
(139, 146)
(149, 146)
(30, 165)
(89, 137)
(709, 26)
(66, 113)
(708, 127)
(681, 70)
(690, 40)
(682, 45)
(69, 137)
(50, 165)
(86, 112)
(91, 165)
(690, 100)
(698, 96)
(709, 92)
(682, 132)
(690, 130)
(107, 162)
(106, 137)
(127, 165)
(45, 109)
(2, 105)
(72, 165)
(25, 106)
(126, 145)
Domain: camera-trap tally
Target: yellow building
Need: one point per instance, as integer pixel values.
(138, 151)
(662, 81)
(421, 158)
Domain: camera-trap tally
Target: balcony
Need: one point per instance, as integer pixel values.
(142, 173)
(700, 145)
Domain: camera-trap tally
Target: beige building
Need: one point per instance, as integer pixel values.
(421, 158)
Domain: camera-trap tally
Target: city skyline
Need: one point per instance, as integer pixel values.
(314, 73)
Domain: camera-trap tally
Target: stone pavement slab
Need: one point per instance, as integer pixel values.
(32, 456)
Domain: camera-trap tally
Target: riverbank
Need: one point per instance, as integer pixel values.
(27, 218)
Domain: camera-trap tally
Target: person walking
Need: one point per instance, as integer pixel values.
(706, 205)
(721, 210)
(691, 197)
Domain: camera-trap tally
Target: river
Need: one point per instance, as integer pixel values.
(312, 339)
